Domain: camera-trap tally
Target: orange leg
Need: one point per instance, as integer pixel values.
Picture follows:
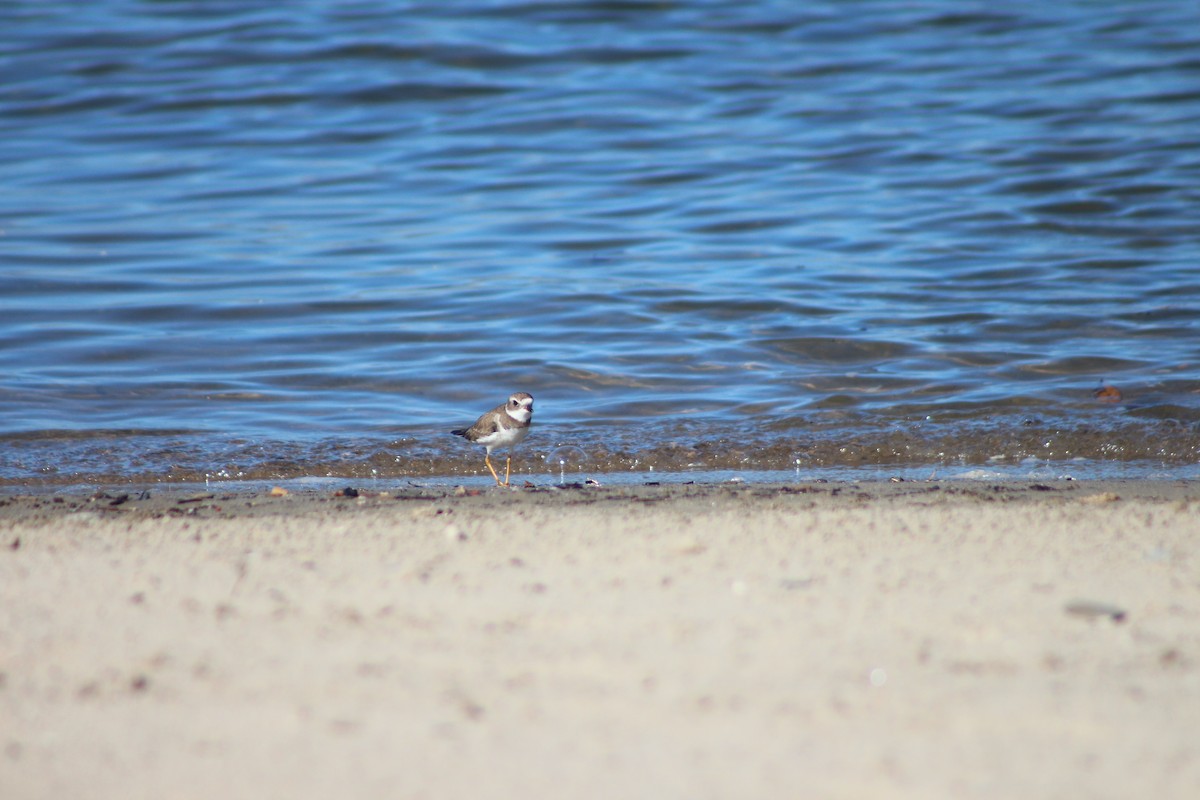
(487, 459)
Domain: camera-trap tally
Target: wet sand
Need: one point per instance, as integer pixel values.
(948, 639)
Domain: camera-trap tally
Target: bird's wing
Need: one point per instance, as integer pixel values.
(490, 422)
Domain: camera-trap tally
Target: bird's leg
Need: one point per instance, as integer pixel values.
(487, 459)
(507, 468)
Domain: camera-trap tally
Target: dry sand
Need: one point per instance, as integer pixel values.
(902, 640)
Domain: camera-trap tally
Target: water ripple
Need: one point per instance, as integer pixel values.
(308, 239)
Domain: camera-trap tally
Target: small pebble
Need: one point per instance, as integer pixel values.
(1093, 608)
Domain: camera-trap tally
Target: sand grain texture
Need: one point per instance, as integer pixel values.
(832, 640)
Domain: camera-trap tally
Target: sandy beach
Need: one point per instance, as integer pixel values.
(840, 640)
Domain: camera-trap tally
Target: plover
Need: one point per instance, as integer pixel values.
(501, 428)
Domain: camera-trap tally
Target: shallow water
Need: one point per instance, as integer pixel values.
(275, 241)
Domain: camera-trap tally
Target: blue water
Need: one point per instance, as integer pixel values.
(264, 240)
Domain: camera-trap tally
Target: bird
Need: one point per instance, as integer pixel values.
(504, 427)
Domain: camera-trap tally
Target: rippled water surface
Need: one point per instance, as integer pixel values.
(265, 240)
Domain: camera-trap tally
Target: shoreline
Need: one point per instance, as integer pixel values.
(1091, 474)
(231, 499)
(913, 639)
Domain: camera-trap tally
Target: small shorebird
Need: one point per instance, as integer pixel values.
(501, 428)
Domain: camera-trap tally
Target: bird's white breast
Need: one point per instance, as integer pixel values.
(505, 437)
